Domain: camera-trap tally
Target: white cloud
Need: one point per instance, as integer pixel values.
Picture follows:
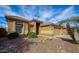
(46, 14)
(28, 12)
(38, 12)
(3, 10)
(67, 13)
(6, 10)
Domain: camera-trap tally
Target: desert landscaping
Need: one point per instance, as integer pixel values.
(42, 44)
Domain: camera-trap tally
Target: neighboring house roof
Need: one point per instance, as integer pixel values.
(35, 20)
(16, 18)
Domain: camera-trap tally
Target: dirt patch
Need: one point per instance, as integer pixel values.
(56, 45)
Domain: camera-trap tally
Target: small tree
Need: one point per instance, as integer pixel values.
(69, 29)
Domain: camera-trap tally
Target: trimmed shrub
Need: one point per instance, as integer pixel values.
(13, 35)
(31, 35)
(3, 32)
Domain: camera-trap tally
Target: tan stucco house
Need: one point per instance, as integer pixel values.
(23, 26)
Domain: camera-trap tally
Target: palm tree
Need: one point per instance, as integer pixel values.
(69, 29)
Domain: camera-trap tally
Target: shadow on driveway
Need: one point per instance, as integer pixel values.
(68, 40)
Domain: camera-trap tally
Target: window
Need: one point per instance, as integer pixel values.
(19, 27)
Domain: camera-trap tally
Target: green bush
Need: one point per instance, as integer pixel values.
(3, 32)
(13, 35)
(72, 30)
(31, 35)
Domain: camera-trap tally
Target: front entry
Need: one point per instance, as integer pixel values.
(37, 28)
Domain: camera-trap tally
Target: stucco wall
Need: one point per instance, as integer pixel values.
(26, 28)
(50, 30)
(46, 30)
(60, 32)
(33, 28)
(11, 26)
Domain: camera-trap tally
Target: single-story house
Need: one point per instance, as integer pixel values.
(23, 26)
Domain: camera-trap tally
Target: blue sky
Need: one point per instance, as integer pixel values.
(46, 13)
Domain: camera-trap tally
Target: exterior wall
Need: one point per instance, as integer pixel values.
(11, 26)
(33, 28)
(57, 32)
(26, 28)
(48, 30)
